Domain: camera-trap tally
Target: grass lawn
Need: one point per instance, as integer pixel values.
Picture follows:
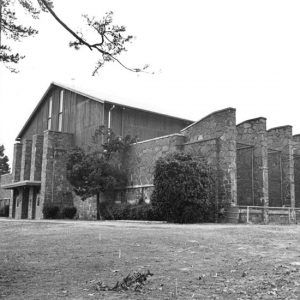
(61, 259)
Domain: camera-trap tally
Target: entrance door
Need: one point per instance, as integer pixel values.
(33, 209)
(25, 202)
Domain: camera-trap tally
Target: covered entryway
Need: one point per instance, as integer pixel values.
(24, 198)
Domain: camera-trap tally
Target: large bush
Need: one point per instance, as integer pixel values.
(54, 212)
(69, 212)
(51, 211)
(126, 211)
(183, 190)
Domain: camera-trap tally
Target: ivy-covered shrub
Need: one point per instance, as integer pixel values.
(183, 190)
(69, 212)
(126, 211)
(51, 211)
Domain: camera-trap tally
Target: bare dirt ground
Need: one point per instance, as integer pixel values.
(61, 259)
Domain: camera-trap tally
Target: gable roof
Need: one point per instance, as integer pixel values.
(56, 84)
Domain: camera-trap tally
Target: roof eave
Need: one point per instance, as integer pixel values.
(12, 185)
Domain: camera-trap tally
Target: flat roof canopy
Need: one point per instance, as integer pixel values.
(13, 185)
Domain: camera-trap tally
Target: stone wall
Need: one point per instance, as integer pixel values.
(275, 178)
(252, 163)
(142, 156)
(26, 160)
(140, 162)
(245, 182)
(281, 166)
(87, 209)
(55, 188)
(209, 150)
(16, 167)
(214, 137)
(296, 139)
(37, 157)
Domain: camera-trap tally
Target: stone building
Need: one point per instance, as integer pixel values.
(65, 118)
(257, 171)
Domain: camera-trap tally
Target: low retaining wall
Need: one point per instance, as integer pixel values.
(263, 215)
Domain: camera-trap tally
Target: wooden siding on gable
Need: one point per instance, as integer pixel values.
(82, 116)
(39, 123)
(89, 116)
(143, 124)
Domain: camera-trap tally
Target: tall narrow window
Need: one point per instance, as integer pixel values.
(49, 114)
(61, 106)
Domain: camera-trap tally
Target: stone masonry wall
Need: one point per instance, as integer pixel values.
(143, 155)
(55, 188)
(16, 167)
(280, 139)
(87, 209)
(37, 157)
(209, 150)
(26, 160)
(296, 139)
(221, 127)
(245, 182)
(252, 163)
(140, 163)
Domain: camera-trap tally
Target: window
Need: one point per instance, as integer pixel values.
(49, 114)
(61, 106)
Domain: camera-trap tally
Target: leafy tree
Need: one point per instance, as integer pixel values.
(183, 189)
(110, 40)
(110, 142)
(99, 170)
(4, 167)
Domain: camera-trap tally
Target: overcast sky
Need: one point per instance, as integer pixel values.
(206, 55)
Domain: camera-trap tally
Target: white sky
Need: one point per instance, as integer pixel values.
(206, 55)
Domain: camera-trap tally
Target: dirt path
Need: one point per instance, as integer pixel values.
(65, 259)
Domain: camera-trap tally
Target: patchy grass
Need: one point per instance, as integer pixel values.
(67, 259)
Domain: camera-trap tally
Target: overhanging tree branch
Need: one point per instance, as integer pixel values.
(80, 41)
(64, 25)
(112, 39)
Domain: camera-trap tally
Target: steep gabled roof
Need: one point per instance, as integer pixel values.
(56, 84)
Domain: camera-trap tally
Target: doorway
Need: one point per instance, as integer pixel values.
(25, 201)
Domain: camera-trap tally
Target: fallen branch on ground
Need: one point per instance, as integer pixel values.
(134, 281)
